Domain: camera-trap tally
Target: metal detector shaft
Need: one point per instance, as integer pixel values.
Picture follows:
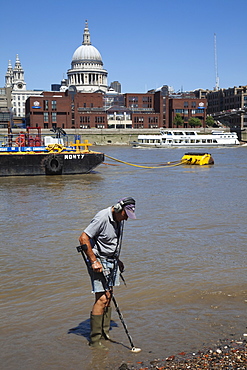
(81, 249)
(122, 321)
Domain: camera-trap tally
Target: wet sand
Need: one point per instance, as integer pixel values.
(225, 355)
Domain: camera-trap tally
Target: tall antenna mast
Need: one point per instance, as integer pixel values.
(217, 80)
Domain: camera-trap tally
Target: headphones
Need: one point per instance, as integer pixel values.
(122, 203)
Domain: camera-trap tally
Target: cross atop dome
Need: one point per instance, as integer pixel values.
(86, 35)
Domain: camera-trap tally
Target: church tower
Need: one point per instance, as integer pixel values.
(14, 79)
(87, 73)
(9, 75)
(18, 76)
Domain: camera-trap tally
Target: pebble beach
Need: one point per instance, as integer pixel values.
(225, 355)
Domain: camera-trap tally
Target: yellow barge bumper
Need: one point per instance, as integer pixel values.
(200, 159)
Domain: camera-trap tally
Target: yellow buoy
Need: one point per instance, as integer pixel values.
(200, 159)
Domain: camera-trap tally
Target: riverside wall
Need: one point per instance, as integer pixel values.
(104, 136)
(94, 136)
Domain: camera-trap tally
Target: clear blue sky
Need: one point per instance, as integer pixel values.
(143, 44)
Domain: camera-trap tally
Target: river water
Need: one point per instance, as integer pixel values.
(185, 260)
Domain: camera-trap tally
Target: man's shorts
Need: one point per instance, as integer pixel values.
(103, 281)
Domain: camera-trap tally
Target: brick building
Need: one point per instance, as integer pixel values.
(71, 109)
(146, 109)
(51, 109)
(187, 106)
(229, 106)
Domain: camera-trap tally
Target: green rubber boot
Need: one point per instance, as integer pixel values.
(96, 322)
(106, 323)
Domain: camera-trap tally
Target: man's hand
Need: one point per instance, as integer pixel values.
(96, 266)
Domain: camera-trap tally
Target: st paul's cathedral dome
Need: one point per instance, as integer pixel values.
(87, 73)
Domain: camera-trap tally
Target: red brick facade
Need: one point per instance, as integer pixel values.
(51, 109)
(146, 109)
(88, 110)
(186, 106)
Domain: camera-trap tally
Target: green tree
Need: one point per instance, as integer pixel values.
(178, 120)
(210, 121)
(193, 122)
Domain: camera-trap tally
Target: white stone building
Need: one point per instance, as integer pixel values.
(87, 73)
(14, 79)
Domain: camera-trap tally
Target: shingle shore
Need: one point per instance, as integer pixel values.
(226, 355)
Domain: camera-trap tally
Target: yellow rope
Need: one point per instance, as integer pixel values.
(55, 148)
(136, 165)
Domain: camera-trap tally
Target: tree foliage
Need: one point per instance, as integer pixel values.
(178, 120)
(193, 122)
(210, 121)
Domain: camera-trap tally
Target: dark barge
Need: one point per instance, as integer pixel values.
(54, 159)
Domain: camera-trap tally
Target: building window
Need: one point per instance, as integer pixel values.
(186, 104)
(99, 119)
(46, 105)
(133, 99)
(54, 104)
(193, 104)
(46, 117)
(54, 117)
(152, 120)
(138, 119)
(138, 126)
(147, 99)
(85, 119)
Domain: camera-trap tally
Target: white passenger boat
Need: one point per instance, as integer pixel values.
(179, 138)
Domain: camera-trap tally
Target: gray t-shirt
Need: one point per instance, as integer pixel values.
(104, 234)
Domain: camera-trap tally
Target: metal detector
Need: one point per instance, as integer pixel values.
(81, 249)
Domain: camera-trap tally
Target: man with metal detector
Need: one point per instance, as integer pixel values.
(101, 243)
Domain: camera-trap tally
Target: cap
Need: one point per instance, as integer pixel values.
(130, 211)
(128, 204)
